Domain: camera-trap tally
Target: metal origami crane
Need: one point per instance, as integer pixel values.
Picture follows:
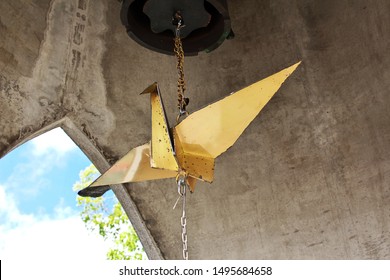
(190, 148)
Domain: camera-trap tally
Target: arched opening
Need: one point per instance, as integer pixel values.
(38, 213)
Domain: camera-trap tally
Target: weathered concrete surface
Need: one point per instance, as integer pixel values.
(309, 178)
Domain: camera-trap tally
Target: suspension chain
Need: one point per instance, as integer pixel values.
(179, 53)
(182, 103)
(181, 189)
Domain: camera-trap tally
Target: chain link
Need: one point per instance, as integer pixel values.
(182, 186)
(182, 106)
(181, 86)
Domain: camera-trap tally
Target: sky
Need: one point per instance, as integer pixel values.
(39, 218)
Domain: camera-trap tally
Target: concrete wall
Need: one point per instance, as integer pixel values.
(309, 178)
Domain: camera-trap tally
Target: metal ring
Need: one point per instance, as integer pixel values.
(181, 114)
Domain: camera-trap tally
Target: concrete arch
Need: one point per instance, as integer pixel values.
(101, 163)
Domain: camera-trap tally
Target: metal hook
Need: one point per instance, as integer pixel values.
(181, 180)
(181, 114)
(178, 29)
(178, 21)
(181, 184)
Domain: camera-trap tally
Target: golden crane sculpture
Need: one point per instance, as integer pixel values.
(188, 150)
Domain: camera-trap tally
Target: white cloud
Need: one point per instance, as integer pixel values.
(63, 237)
(30, 177)
(9, 213)
(63, 211)
(41, 242)
(54, 140)
(44, 154)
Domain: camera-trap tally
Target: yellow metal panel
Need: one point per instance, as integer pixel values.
(199, 139)
(199, 167)
(191, 181)
(196, 162)
(216, 127)
(133, 167)
(162, 155)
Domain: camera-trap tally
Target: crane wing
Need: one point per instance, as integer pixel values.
(212, 130)
(133, 167)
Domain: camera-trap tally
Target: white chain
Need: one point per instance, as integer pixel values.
(184, 227)
(182, 186)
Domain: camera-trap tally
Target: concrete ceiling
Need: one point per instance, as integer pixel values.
(309, 178)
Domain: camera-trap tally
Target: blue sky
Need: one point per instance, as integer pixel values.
(38, 213)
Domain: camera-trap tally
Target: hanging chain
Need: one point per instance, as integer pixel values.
(179, 53)
(181, 189)
(181, 178)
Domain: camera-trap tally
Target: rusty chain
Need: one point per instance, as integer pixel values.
(181, 179)
(179, 53)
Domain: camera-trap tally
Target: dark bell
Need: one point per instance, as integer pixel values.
(152, 23)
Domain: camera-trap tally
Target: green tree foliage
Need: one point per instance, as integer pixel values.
(111, 224)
